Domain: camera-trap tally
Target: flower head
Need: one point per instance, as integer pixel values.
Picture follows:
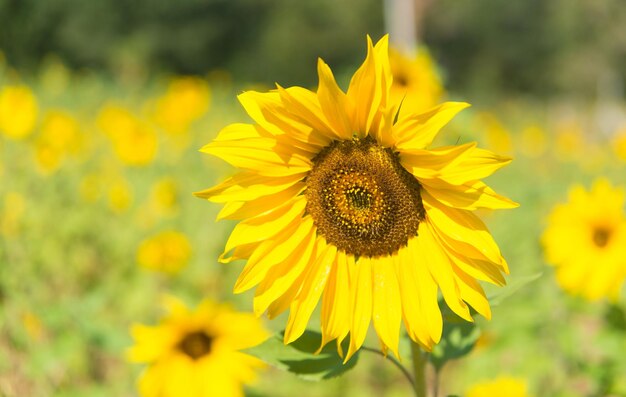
(341, 202)
(586, 241)
(186, 100)
(504, 386)
(135, 143)
(415, 80)
(166, 252)
(197, 352)
(18, 111)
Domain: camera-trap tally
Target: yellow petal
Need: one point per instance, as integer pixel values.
(428, 164)
(412, 314)
(334, 103)
(237, 131)
(305, 107)
(386, 307)
(266, 225)
(256, 105)
(365, 92)
(462, 226)
(476, 164)
(361, 305)
(272, 253)
(440, 269)
(336, 300)
(304, 303)
(265, 156)
(247, 186)
(427, 291)
(472, 293)
(249, 209)
(468, 196)
(283, 276)
(418, 131)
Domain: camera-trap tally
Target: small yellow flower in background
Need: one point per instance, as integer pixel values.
(533, 141)
(134, 141)
(415, 81)
(569, 140)
(166, 252)
(18, 111)
(619, 144)
(341, 205)
(504, 386)
(60, 136)
(13, 208)
(164, 196)
(32, 325)
(119, 195)
(497, 137)
(186, 100)
(194, 353)
(586, 240)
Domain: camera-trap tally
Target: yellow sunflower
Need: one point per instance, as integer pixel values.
(196, 353)
(415, 80)
(586, 241)
(503, 386)
(340, 202)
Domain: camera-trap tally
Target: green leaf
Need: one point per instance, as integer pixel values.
(515, 285)
(457, 340)
(300, 359)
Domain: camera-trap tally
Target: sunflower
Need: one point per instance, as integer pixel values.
(196, 353)
(505, 386)
(166, 252)
(586, 241)
(415, 80)
(339, 201)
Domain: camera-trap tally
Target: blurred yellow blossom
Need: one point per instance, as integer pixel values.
(619, 143)
(415, 81)
(120, 196)
(59, 137)
(503, 386)
(166, 252)
(18, 111)
(568, 140)
(533, 141)
(586, 241)
(32, 325)
(186, 100)
(193, 353)
(164, 196)
(134, 141)
(12, 210)
(497, 137)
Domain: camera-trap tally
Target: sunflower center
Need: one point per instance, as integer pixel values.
(196, 344)
(361, 198)
(601, 236)
(401, 80)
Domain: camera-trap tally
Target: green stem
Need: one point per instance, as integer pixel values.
(419, 370)
(395, 362)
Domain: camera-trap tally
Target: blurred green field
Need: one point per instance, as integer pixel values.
(70, 229)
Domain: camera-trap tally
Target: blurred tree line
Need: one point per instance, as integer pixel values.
(539, 47)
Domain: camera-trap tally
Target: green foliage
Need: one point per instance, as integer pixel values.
(514, 284)
(301, 357)
(457, 340)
